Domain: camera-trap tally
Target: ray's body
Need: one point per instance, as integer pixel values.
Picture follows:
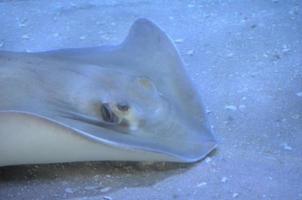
(129, 102)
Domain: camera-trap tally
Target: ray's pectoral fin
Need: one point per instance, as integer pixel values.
(148, 52)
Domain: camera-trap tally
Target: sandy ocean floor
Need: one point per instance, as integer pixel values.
(245, 59)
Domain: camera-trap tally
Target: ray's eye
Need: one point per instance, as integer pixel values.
(107, 114)
(122, 106)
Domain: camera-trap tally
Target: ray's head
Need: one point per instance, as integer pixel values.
(134, 104)
(119, 101)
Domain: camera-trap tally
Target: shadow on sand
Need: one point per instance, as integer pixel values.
(71, 180)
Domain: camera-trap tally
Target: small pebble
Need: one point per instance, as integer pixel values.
(201, 184)
(235, 195)
(1, 44)
(299, 94)
(69, 190)
(231, 107)
(107, 197)
(106, 189)
(224, 179)
(286, 147)
(208, 111)
(56, 34)
(253, 26)
(96, 177)
(230, 55)
(190, 52)
(285, 49)
(242, 107)
(25, 36)
(208, 160)
(179, 40)
(276, 57)
(293, 11)
(82, 37)
(296, 116)
(91, 187)
(22, 23)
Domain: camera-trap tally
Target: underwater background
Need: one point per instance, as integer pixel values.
(244, 58)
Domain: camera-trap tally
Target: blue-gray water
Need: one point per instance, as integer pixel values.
(245, 59)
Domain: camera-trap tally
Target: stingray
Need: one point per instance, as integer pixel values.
(126, 102)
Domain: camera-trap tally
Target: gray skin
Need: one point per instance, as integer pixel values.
(83, 92)
(133, 96)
